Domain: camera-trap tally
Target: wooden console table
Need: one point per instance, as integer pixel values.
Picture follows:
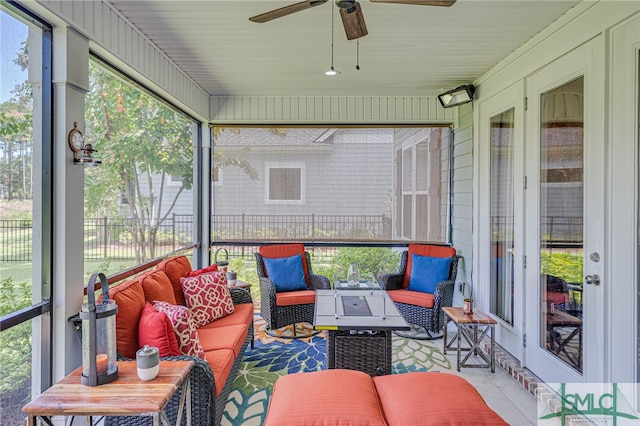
(125, 396)
(473, 327)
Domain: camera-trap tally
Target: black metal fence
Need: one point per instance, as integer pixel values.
(246, 227)
(15, 240)
(104, 237)
(108, 238)
(112, 238)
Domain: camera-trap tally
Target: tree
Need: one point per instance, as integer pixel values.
(16, 135)
(142, 144)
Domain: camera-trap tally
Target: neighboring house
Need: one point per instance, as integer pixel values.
(336, 173)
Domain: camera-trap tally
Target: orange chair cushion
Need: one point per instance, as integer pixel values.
(300, 297)
(176, 267)
(422, 398)
(557, 298)
(286, 250)
(348, 398)
(157, 287)
(410, 297)
(130, 300)
(425, 250)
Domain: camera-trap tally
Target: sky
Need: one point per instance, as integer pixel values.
(12, 33)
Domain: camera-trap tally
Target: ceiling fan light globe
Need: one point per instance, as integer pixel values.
(331, 72)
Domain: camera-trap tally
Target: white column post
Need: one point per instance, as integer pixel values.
(70, 84)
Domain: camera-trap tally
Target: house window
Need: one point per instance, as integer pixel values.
(284, 184)
(216, 176)
(174, 181)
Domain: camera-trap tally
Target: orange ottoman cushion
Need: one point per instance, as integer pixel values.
(422, 398)
(344, 397)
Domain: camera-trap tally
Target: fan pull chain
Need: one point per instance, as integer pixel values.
(332, 32)
(358, 54)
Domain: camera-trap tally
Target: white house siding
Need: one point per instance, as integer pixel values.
(336, 179)
(329, 110)
(462, 198)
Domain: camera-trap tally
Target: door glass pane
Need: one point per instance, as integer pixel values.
(561, 218)
(501, 166)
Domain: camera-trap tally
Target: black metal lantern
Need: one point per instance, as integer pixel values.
(99, 359)
(221, 262)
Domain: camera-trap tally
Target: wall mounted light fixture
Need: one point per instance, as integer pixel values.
(458, 96)
(81, 151)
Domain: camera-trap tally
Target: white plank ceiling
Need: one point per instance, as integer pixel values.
(410, 50)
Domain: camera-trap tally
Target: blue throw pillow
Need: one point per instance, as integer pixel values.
(427, 272)
(286, 273)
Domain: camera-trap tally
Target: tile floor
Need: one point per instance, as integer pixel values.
(501, 392)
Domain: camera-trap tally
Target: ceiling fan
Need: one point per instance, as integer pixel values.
(350, 12)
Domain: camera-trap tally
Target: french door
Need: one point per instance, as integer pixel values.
(564, 218)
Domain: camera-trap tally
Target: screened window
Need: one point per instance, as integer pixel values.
(25, 213)
(139, 204)
(321, 184)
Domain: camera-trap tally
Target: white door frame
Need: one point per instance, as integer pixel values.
(508, 336)
(621, 337)
(588, 61)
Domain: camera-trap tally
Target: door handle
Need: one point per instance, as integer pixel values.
(592, 279)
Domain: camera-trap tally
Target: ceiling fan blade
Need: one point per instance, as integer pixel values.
(445, 3)
(287, 10)
(353, 22)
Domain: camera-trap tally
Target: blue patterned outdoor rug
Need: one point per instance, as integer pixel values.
(273, 357)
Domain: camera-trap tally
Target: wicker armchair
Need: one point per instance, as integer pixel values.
(278, 308)
(415, 307)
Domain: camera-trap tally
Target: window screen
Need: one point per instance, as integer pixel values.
(316, 184)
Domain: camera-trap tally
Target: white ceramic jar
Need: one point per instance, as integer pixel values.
(148, 362)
